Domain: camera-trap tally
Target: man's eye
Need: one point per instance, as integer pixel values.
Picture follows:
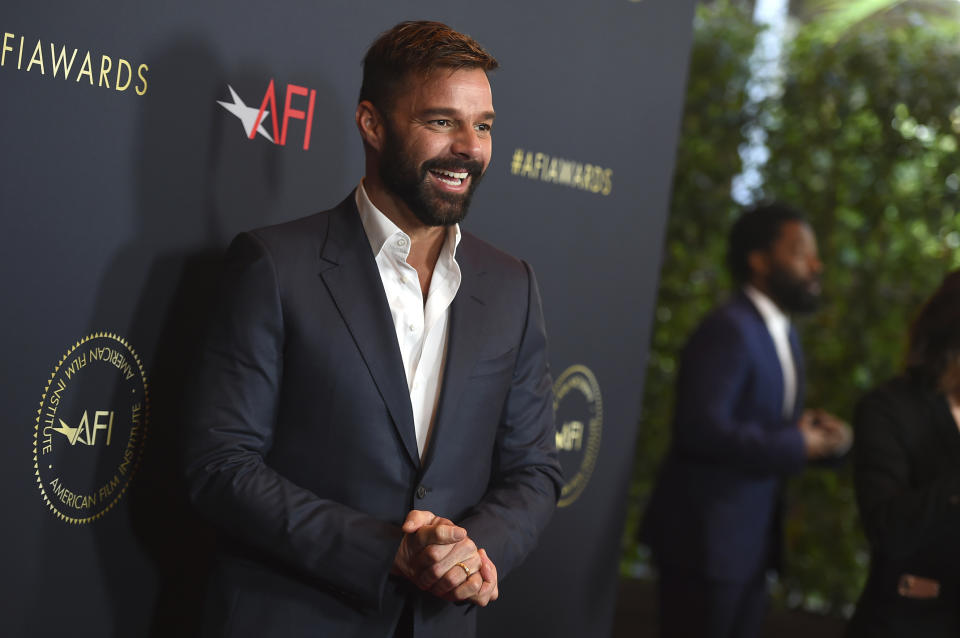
(484, 128)
(441, 123)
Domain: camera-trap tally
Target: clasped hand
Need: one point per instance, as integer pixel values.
(438, 556)
(824, 434)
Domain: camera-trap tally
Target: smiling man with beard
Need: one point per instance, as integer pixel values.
(373, 428)
(714, 520)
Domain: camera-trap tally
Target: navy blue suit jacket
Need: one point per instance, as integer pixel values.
(302, 448)
(714, 511)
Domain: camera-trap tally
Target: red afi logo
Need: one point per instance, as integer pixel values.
(252, 119)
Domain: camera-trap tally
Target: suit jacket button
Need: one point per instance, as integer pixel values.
(421, 491)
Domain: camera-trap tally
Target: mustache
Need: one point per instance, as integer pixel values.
(473, 167)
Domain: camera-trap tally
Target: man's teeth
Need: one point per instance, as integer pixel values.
(453, 178)
(462, 175)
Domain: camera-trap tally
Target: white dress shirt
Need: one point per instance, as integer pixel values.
(421, 327)
(778, 324)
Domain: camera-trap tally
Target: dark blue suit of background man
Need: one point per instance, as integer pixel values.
(713, 522)
(350, 500)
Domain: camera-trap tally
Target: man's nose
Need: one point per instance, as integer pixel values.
(466, 143)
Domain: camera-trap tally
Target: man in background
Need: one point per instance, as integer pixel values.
(373, 433)
(715, 516)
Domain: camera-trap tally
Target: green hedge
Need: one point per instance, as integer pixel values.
(865, 140)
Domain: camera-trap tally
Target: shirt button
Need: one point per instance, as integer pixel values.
(401, 242)
(421, 491)
(412, 327)
(403, 280)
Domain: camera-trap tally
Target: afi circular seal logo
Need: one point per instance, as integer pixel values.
(579, 410)
(90, 428)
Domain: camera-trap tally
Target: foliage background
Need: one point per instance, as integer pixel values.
(864, 138)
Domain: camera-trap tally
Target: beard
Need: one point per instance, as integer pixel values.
(793, 294)
(409, 182)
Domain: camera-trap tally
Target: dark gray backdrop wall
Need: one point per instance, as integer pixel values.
(123, 178)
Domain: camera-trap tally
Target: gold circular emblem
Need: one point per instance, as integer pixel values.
(90, 428)
(579, 409)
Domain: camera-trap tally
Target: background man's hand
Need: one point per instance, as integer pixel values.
(839, 433)
(824, 434)
(438, 556)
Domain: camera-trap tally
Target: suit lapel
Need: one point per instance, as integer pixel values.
(349, 271)
(464, 341)
(771, 373)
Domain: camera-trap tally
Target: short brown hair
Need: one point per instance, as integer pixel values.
(416, 46)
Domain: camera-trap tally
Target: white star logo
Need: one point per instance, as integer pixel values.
(72, 434)
(247, 114)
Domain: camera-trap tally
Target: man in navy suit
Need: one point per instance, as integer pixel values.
(373, 430)
(714, 519)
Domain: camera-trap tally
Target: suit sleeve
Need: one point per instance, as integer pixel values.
(900, 518)
(711, 425)
(526, 478)
(230, 429)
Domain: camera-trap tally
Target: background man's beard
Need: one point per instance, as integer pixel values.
(792, 294)
(431, 206)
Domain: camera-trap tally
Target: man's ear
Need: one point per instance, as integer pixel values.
(759, 262)
(371, 125)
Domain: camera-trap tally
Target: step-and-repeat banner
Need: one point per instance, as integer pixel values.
(130, 154)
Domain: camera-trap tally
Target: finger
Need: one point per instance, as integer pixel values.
(442, 533)
(432, 566)
(831, 424)
(455, 576)
(405, 562)
(434, 555)
(487, 569)
(489, 591)
(483, 597)
(417, 519)
(467, 590)
(415, 541)
(436, 561)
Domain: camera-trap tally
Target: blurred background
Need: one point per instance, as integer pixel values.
(850, 111)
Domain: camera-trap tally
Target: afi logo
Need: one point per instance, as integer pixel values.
(570, 437)
(85, 433)
(253, 119)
